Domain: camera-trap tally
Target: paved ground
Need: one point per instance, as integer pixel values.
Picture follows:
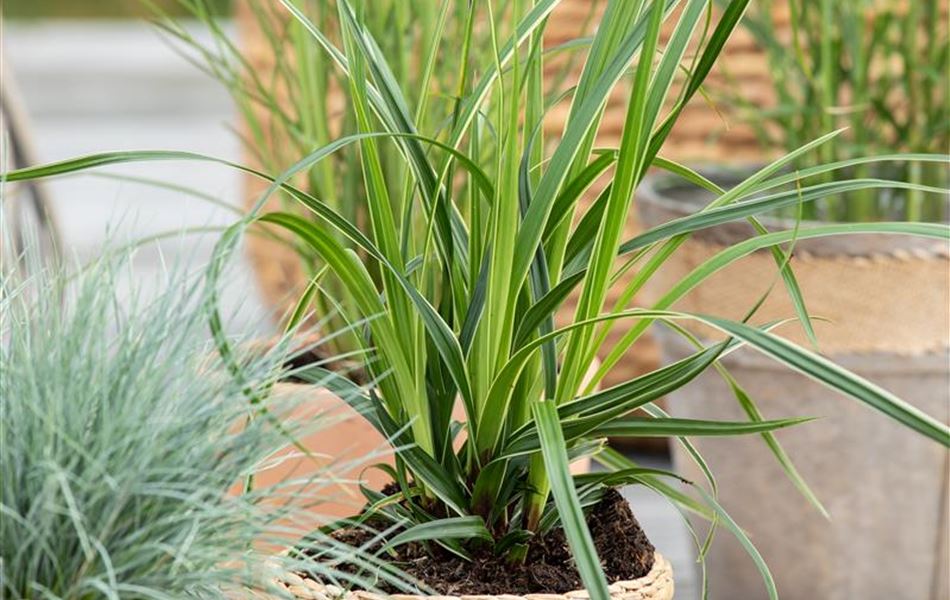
(97, 87)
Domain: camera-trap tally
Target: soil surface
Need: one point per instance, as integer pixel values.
(624, 550)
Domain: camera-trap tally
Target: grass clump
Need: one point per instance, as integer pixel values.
(292, 98)
(879, 68)
(126, 444)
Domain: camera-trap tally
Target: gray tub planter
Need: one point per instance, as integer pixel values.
(884, 486)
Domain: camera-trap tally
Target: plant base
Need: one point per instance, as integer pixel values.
(655, 585)
(627, 556)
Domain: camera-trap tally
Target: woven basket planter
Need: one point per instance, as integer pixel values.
(884, 485)
(655, 585)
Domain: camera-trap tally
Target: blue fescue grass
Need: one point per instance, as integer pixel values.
(126, 445)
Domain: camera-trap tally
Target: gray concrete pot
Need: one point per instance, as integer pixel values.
(884, 486)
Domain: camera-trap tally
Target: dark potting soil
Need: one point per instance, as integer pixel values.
(624, 550)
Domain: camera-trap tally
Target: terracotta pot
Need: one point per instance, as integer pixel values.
(342, 447)
(655, 585)
(884, 486)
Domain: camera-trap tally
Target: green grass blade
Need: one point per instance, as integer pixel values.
(672, 427)
(823, 169)
(545, 307)
(727, 23)
(573, 519)
(750, 408)
(741, 249)
(441, 334)
(647, 427)
(442, 529)
(784, 460)
(617, 399)
(688, 174)
(578, 126)
(575, 188)
(740, 210)
(826, 372)
(432, 474)
(743, 539)
(629, 163)
(672, 57)
(615, 461)
(390, 107)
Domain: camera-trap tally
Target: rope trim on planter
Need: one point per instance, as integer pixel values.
(655, 585)
(892, 302)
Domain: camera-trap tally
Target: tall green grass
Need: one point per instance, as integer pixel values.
(458, 271)
(292, 98)
(878, 67)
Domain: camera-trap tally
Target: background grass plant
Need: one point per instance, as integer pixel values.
(102, 9)
(878, 67)
(292, 98)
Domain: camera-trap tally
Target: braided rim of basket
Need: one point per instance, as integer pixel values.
(655, 585)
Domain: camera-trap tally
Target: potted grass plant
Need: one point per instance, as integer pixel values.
(292, 100)
(878, 69)
(127, 448)
(469, 275)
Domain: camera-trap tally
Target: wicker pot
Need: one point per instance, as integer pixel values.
(884, 486)
(655, 585)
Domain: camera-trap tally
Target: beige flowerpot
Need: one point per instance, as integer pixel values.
(884, 486)
(655, 585)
